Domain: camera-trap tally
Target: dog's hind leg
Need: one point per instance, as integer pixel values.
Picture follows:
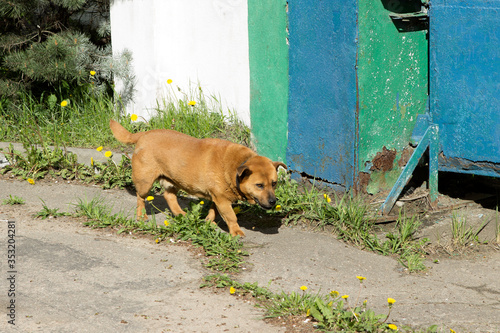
(142, 188)
(170, 196)
(212, 213)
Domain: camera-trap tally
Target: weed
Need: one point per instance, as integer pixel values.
(224, 281)
(410, 250)
(13, 200)
(111, 174)
(36, 162)
(463, 235)
(47, 212)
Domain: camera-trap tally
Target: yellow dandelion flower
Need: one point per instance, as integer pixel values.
(334, 293)
(92, 73)
(133, 117)
(393, 327)
(31, 181)
(169, 81)
(327, 198)
(277, 208)
(237, 210)
(99, 148)
(452, 331)
(64, 103)
(192, 103)
(361, 278)
(150, 198)
(303, 288)
(391, 301)
(166, 223)
(92, 161)
(108, 154)
(157, 240)
(308, 312)
(232, 290)
(202, 202)
(345, 296)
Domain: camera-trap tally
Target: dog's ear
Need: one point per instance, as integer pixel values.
(280, 164)
(242, 172)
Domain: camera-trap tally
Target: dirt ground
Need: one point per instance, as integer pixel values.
(71, 278)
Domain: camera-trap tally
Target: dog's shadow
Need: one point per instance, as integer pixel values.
(254, 219)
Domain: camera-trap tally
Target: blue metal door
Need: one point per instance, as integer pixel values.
(465, 84)
(322, 93)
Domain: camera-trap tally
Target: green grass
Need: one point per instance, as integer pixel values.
(47, 212)
(84, 121)
(462, 234)
(206, 119)
(13, 200)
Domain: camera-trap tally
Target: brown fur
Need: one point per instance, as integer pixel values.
(213, 169)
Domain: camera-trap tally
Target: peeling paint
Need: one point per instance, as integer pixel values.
(384, 160)
(392, 91)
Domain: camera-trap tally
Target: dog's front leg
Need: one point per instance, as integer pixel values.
(226, 211)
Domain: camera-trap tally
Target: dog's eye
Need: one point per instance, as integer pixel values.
(260, 186)
(274, 184)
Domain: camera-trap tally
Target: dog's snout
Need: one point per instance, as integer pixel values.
(272, 201)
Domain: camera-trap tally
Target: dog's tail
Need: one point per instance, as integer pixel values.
(122, 135)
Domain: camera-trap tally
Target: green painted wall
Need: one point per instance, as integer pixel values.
(268, 52)
(392, 85)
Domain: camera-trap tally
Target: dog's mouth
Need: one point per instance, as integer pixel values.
(262, 205)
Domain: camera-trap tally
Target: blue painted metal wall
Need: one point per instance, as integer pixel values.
(465, 84)
(322, 94)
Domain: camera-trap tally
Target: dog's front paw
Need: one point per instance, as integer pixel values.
(237, 232)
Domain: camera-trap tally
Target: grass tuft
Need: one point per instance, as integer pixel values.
(13, 200)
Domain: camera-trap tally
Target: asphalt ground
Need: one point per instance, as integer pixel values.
(71, 278)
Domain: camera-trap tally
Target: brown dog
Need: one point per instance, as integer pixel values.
(213, 169)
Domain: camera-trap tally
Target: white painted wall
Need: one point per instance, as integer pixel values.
(197, 41)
